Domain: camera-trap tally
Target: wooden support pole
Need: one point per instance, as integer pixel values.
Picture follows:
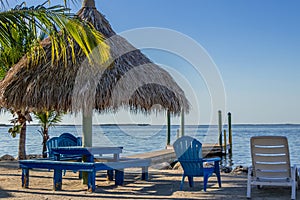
(220, 129)
(182, 123)
(168, 127)
(87, 129)
(230, 133)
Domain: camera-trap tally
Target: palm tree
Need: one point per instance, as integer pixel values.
(20, 29)
(46, 120)
(57, 23)
(20, 127)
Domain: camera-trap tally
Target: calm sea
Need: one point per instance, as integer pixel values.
(138, 139)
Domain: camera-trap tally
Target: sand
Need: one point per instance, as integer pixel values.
(162, 184)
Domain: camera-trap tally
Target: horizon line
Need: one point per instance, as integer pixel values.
(145, 124)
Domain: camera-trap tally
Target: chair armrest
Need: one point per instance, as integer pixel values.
(216, 159)
(294, 172)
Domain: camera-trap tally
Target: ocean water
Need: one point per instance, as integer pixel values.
(139, 139)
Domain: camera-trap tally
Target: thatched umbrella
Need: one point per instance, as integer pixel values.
(128, 79)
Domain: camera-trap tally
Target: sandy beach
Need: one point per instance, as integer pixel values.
(162, 184)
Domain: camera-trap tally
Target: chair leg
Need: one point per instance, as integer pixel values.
(294, 182)
(110, 175)
(217, 172)
(219, 178)
(191, 181)
(182, 182)
(205, 180)
(249, 183)
(119, 177)
(293, 191)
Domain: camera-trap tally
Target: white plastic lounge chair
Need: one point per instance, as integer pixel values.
(271, 164)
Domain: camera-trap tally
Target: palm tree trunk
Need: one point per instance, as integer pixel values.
(22, 141)
(45, 139)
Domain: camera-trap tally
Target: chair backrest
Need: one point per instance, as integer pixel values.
(70, 140)
(188, 151)
(270, 157)
(64, 140)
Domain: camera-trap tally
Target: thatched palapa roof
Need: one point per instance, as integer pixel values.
(128, 79)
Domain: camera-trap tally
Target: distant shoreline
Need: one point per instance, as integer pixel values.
(264, 124)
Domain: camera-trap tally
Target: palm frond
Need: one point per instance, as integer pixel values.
(57, 23)
(48, 118)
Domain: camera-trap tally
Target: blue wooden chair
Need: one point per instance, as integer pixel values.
(64, 140)
(189, 153)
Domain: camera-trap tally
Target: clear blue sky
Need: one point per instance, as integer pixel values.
(255, 45)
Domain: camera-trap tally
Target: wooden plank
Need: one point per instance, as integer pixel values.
(125, 163)
(50, 164)
(157, 157)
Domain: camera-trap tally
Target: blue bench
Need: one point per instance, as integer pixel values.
(90, 167)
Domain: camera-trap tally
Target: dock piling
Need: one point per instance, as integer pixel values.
(168, 128)
(182, 122)
(220, 129)
(230, 133)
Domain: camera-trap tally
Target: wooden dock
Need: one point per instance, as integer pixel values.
(168, 154)
(158, 157)
(223, 147)
(214, 150)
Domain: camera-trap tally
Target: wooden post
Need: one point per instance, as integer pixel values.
(225, 142)
(87, 127)
(168, 128)
(220, 129)
(230, 133)
(182, 123)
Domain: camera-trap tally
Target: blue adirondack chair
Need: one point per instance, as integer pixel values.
(189, 153)
(64, 140)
